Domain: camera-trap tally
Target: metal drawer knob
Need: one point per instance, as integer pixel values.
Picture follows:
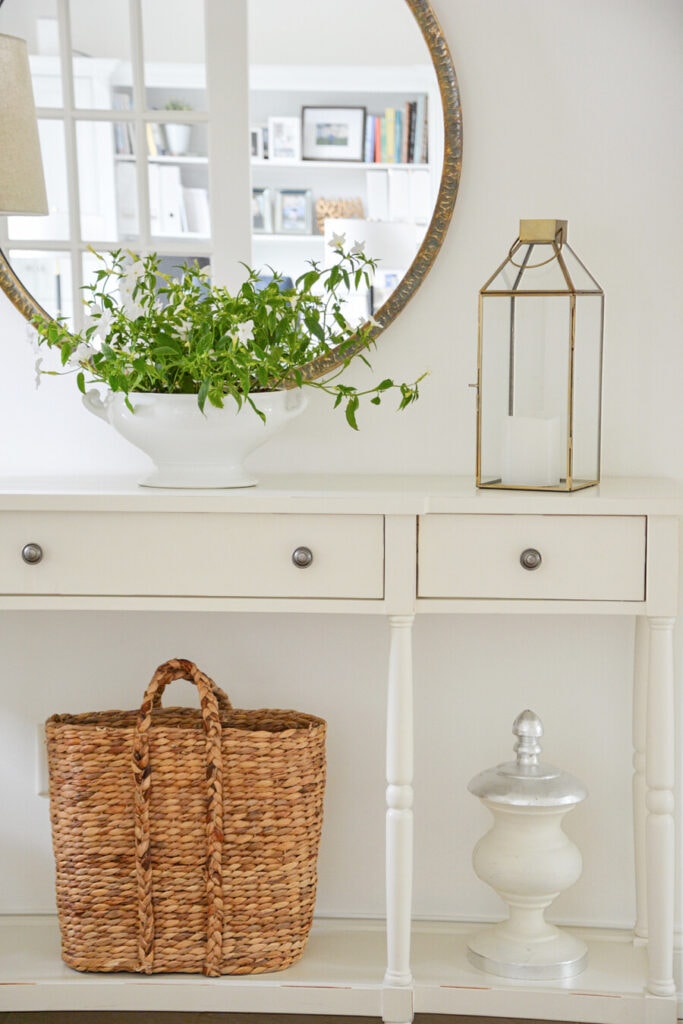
(32, 553)
(530, 558)
(302, 557)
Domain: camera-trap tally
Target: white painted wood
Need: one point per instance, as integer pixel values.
(111, 544)
(340, 973)
(445, 983)
(400, 545)
(41, 770)
(229, 167)
(328, 493)
(641, 661)
(662, 565)
(200, 554)
(399, 825)
(583, 557)
(660, 775)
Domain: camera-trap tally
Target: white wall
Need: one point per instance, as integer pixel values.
(572, 111)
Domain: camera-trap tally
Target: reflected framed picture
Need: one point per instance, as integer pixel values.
(261, 210)
(256, 136)
(284, 139)
(294, 211)
(384, 283)
(333, 133)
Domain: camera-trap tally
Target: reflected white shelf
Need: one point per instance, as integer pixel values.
(282, 236)
(341, 972)
(165, 158)
(357, 165)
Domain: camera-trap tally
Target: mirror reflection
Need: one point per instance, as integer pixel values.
(345, 136)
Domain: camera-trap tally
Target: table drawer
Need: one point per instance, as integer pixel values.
(193, 554)
(583, 558)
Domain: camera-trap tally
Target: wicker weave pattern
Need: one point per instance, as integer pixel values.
(185, 840)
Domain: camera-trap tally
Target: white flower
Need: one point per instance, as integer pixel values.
(38, 371)
(100, 319)
(131, 307)
(81, 354)
(245, 332)
(32, 337)
(132, 273)
(183, 329)
(357, 249)
(337, 241)
(131, 276)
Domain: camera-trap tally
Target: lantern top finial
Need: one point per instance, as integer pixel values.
(543, 231)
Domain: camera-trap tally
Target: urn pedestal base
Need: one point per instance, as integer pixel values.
(553, 955)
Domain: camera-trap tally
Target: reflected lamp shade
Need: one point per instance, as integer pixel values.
(22, 185)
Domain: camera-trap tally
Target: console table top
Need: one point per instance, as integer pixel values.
(370, 494)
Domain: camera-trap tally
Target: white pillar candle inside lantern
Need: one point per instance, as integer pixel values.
(529, 861)
(531, 451)
(539, 366)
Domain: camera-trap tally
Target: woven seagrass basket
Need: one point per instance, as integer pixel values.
(185, 839)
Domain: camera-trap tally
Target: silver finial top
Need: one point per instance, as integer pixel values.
(527, 781)
(528, 728)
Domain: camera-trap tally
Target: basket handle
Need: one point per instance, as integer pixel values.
(180, 668)
(210, 697)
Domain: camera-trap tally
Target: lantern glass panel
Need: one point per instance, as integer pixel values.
(524, 390)
(587, 390)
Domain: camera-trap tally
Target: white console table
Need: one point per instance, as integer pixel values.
(395, 547)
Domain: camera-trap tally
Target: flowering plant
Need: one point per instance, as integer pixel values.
(148, 331)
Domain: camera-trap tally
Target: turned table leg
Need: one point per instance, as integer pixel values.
(660, 836)
(399, 827)
(640, 676)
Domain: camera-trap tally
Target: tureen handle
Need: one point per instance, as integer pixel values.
(93, 401)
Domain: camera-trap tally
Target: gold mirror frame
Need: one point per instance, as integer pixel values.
(441, 217)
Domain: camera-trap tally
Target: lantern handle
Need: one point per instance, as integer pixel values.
(533, 266)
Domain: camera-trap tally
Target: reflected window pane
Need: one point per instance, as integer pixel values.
(39, 27)
(56, 224)
(96, 173)
(127, 204)
(174, 52)
(47, 276)
(100, 37)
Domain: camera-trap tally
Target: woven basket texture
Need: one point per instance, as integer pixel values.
(185, 839)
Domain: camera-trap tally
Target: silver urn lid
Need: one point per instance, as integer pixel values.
(527, 782)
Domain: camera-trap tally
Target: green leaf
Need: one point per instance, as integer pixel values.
(203, 394)
(350, 411)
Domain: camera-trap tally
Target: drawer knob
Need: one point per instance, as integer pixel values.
(530, 559)
(32, 553)
(302, 557)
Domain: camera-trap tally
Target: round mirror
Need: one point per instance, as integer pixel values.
(354, 135)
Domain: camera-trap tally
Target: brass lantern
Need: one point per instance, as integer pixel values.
(539, 380)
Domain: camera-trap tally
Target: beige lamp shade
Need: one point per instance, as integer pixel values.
(22, 185)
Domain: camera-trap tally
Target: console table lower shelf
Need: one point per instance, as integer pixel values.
(341, 973)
